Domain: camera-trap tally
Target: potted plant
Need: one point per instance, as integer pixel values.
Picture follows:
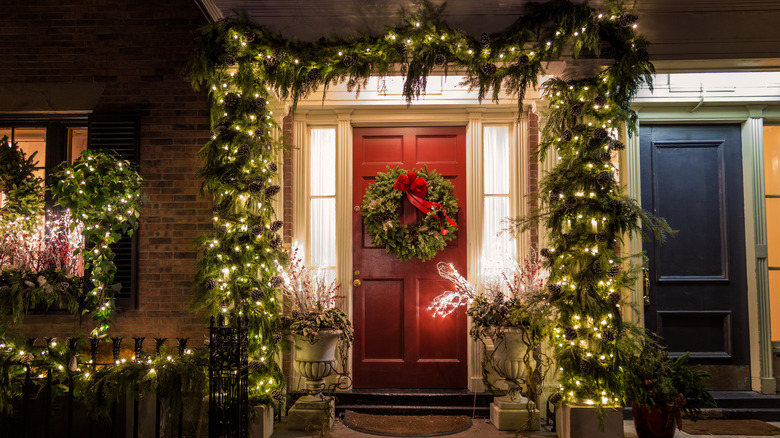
(318, 328)
(663, 388)
(512, 311)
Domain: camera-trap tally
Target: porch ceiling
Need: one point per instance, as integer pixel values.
(686, 35)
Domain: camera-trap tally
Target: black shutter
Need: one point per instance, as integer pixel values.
(120, 133)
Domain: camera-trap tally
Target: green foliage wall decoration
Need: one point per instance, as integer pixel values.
(103, 192)
(244, 65)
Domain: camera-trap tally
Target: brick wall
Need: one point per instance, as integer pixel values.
(138, 49)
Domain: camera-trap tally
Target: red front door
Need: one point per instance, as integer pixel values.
(398, 342)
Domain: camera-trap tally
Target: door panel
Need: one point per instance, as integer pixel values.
(398, 342)
(692, 177)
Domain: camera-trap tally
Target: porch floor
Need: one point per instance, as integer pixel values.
(480, 428)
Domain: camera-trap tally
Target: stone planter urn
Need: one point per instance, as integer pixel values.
(314, 361)
(512, 411)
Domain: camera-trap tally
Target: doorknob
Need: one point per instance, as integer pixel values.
(357, 282)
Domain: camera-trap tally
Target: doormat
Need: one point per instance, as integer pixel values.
(730, 427)
(407, 425)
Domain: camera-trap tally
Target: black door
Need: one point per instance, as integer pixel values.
(697, 295)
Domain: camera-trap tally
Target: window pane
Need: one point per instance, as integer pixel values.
(323, 162)
(323, 232)
(772, 160)
(496, 160)
(774, 303)
(33, 141)
(77, 143)
(496, 248)
(773, 231)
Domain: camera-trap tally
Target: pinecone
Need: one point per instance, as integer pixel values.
(608, 52)
(272, 167)
(618, 145)
(601, 237)
(614, 270)
(277, 338)
(566, 135)
(243, 150)
(413, 236)
(382, 216)
(257, 366)
(600, 101)
(626, 20)
(212, 283)
(272, 190)
(260, 103)
(608, 335)
(277, 395)
(313, 75)
(555, 290)
(216, 208)
(27, 358)
(257, 230)
(276, 281)
(605, 156)
(260, 131)
(439, 60)
(401, 48)
(616, 204)
(275, 243)
(270, 61)
(484, 40)
(249, 36)
(220, 128)
(570, 333)
(276, 225)
(546, 253)
(641, 54)
(231, 99)
(570, 202)
(614, 298)
(222, 229)
(597, 266)
(555, 398)
(230, 60)
(63, 286)
(585, 366)
(350, 59)
(226, 179)
(576, 109)
(523, 60)
(256, 187)
(257, 294)
(600, 133)
(604, 178)
(488, 69)
(555, 194)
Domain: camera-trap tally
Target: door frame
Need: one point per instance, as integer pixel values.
(370, 114)
(751, 120)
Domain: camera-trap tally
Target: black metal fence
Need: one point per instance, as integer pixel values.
(41, 412)
(228, 379)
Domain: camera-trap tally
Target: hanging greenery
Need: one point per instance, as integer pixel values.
(245, 65)
(382, 203)
(103, 192)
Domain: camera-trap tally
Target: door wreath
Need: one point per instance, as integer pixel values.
(427, 191)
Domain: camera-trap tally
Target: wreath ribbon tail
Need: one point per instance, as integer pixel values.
(426, 207)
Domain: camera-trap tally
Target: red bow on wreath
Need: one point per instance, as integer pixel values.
(416, 188)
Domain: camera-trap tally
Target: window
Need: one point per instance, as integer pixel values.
(497, 248)
(61, 139)
(772, 189)
(322, 211)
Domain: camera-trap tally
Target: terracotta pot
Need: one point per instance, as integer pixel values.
(654, 422)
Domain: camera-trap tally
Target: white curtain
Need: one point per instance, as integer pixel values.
(497, 248)
(323, 198)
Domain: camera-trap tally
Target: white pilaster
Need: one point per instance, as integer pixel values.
(632, 177)
(474, 216)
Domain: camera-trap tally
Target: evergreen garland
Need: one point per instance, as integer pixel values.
(422, 240)
(103, 192)
(237, 57)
